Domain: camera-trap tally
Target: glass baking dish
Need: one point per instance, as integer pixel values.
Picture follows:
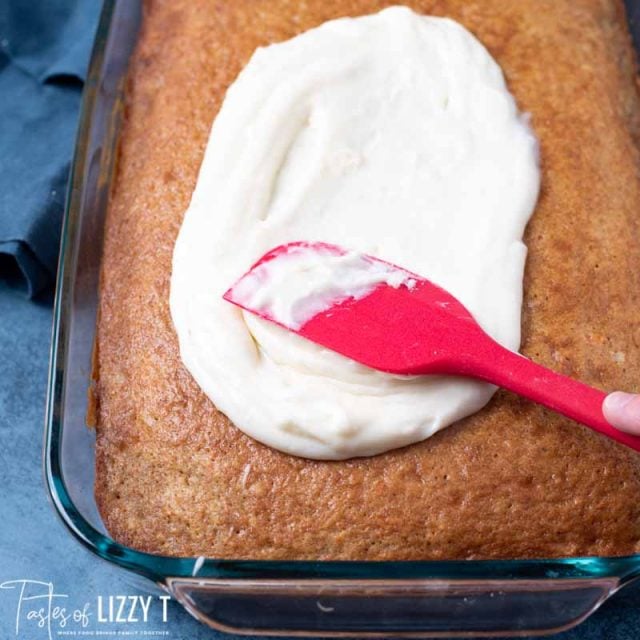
(421, 599)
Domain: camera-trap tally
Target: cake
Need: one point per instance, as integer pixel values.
(175, 477)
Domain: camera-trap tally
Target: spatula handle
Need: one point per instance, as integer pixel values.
(567, 396)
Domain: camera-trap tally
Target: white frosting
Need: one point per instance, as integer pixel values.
(305, 281)
(393, 135)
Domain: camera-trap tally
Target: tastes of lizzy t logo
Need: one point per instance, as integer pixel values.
(39, 609)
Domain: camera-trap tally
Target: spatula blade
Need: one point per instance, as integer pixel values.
(390, 328)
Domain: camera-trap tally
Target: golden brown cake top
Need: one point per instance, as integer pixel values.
(175, 477)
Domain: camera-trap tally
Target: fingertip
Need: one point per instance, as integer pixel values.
(622, 410)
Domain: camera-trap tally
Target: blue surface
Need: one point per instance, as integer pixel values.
(34, 545)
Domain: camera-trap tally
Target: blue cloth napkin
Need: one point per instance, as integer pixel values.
(44, 51)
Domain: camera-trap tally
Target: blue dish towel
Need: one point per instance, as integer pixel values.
(44, 50)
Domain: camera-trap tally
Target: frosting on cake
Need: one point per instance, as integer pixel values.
(394, 135)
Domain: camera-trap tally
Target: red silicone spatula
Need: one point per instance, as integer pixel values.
(418, 328)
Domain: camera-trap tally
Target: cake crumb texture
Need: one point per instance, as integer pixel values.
(175, 477)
